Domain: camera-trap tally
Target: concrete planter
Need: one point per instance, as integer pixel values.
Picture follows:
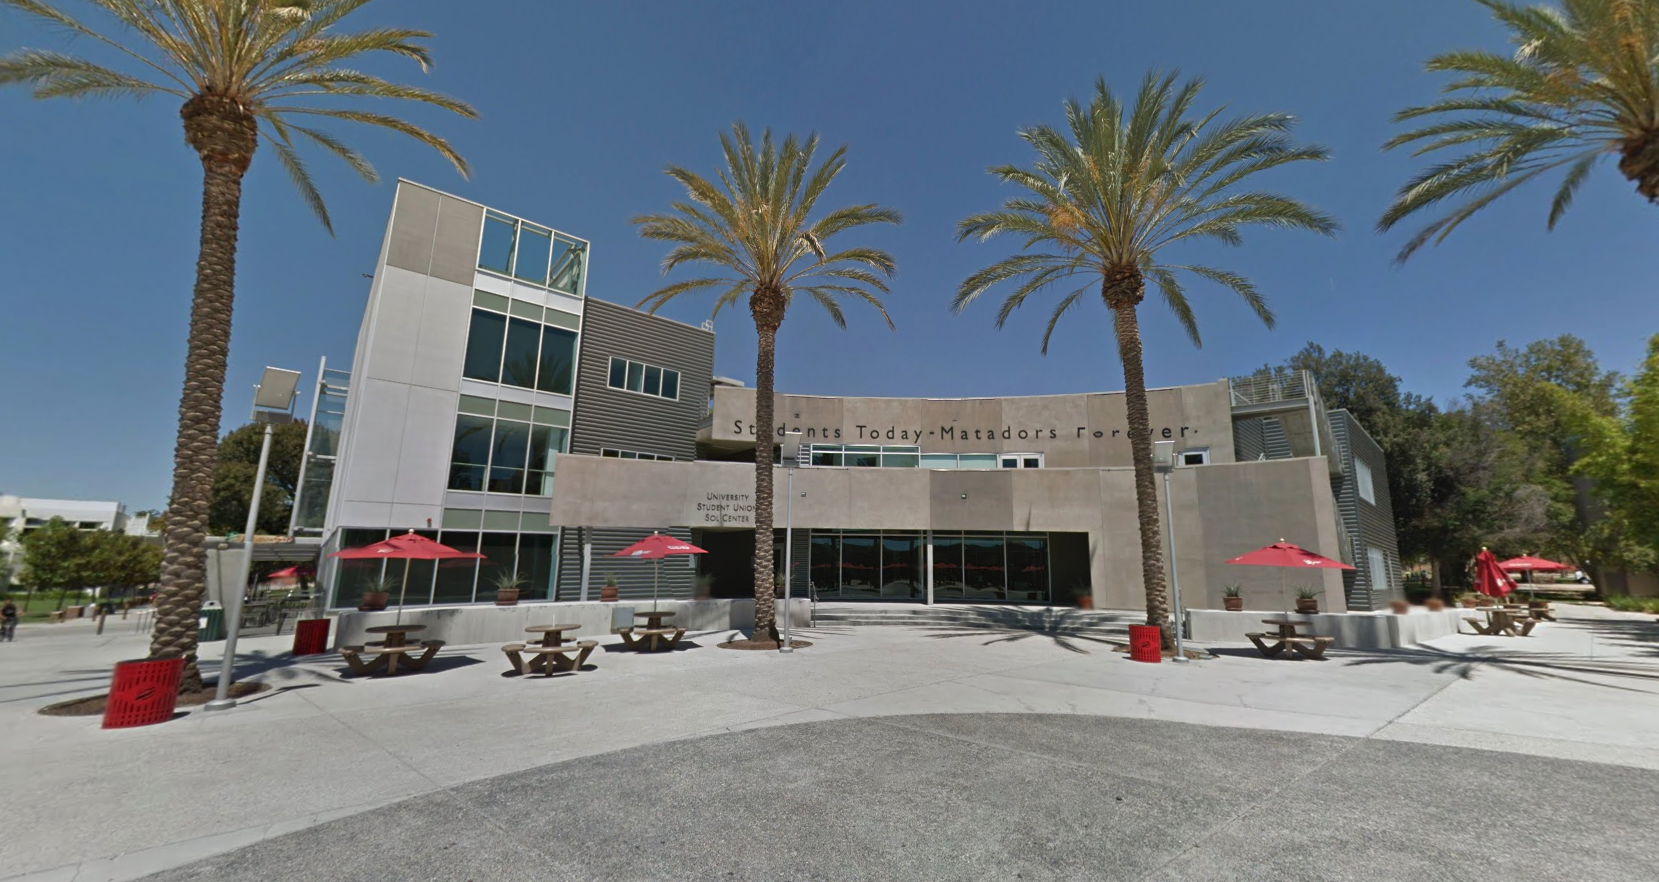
(482, 624)
(1359, 630)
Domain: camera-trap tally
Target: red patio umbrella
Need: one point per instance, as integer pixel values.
(409, 546)
(1528, 563)
(1287, 554)
(1490, 579)
(654, 548)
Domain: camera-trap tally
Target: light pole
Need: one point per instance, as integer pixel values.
(791, 459)
(1163, 460)
(273, 401)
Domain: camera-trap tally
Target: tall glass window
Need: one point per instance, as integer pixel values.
(636, 377)
(566, 272)
(671, 384)
(470, 454)
(653, 380)
(456, 577)
(947, 567)
(534, 244)
(484, 340)
(985, 571)
(500, 562)
(536, 565)
(558, 360)
(356, 576)
(860, 567)
(825, 566)
(1028, 567)
(518, 365)
(901, 566)
(496, 251)
(508, 456)
(619, 373)
(546, 443)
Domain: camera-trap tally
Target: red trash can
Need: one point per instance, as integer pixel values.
(311, 637)
(143, 692)
(1146, 643)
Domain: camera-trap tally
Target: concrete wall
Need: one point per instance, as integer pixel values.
(1221, 511)
(475, 624)
(1351, 630)
(1070, 430)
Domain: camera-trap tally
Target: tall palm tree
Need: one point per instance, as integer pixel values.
(245, 70)
(754, 229)
(1102, 202)
(1582, 85)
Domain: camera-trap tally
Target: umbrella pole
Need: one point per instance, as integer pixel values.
(402, 592)
(656, 575)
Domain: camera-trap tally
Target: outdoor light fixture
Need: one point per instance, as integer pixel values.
(791, 461)
(276, 389)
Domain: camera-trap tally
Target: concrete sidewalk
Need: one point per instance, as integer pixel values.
(319, 747)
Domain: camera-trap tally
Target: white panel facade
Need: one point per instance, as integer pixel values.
(377, 437)
(443, 335)
(423, 460)
(401, 295)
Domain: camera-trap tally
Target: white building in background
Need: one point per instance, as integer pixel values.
(22, 515)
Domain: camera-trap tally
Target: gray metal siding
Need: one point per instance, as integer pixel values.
(1367, 525)
(616, 418)
(1249, 442)
(633, 577)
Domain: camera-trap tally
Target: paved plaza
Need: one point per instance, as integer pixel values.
(921, 753)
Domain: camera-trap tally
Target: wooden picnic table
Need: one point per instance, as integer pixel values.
(655, 636)
(552, 635)
(551, 654)
(391, 652)
(1307, 646)
(1503, 622)
(654, 618)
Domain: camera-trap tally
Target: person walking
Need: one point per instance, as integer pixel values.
(8, 620)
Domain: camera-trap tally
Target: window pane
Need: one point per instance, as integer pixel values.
(568, 260)
(496, 252)
(636, 376)
(420, 575)
(860, 567)
(938, 460)
(533, 245)
(984, 573)
(1028, 568)
(512, 445)
(901, 566)
(455, 577)
(863, 456)
(977, 461)
(1010, 462)
(536, 564)
(611, 453)
(518, 368)
(1032, 462)
(671, 384)
(470, 452)
(900, 460)
(484, 346)
(619, 374)
(825, 458)
(653, 380)
(947, 566)
(825, 568)
(500, 561)
(558, 356)
(355, 575)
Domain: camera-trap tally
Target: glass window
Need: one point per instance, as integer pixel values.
(862, 456)
(636, 376)
(484, 346)
(984, 570)
(1033, 462)
(653, 380)
(508, 455)
(356, 575)
(1010, 462)
(470, 453)
(947, 566)
(938, 460)
(899, 460)
(568, 257)
(1362, 477)
(455, 577)
(1028, 567)
(611, 453)
(671, 384)
(901, 566)
(536, 565)
(500, 561)
(518, 367)
(1197, 457)
(546, 443)
(619, 374)
(860, 567)
(977, 461)
(496, 252)
(558, 358)
(534, 244)
(825, 566)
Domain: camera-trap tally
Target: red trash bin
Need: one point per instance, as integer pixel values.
(1146, 643)
(143, 692)
(311, 637)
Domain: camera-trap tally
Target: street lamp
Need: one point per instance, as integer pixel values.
(273, 403)
(791, 459)
(1163, 461)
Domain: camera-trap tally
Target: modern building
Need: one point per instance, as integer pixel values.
(22, 515)
(495, 406)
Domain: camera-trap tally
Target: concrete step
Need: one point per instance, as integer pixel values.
(1060, 620)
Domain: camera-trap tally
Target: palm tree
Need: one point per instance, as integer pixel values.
(244, 70)
(1104, 200)
(1582, 85)
(754, 229)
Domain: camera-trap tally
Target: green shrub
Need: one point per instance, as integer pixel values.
(1634, 604)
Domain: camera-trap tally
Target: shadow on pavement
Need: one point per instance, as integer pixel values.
(1542, 665)
(1008, 624)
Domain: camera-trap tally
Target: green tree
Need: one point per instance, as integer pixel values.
(755, 228)
(1618, 455)
(1582, 85)
(243, 70)
(1103, 202)
(58, 557)
(233, 477)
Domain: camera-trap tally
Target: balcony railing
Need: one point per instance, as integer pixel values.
(1268, 388)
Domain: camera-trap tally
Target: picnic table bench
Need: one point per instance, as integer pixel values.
(550, 655)
(391, 652)
(654, 637)
(1501, 622)
(1307, 646)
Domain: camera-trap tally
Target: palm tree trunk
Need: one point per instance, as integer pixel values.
(768, 316)
(1140, 449)
(224, 135)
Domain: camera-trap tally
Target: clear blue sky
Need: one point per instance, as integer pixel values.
(584, 103)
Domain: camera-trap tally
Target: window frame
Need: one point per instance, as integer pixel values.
(618, 453)
(644, 373)
(1365, 483)
(1203, 454)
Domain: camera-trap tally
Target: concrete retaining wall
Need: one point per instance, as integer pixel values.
(466, 625)
(1351, 630)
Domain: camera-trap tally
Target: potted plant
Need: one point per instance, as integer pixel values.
(1466, 600)
(1232, 598)
(702, 588)
(777, 585)
(376, 594)
(507, 587)
(1434, 603)
(1084, 595)
(1485, 600)
(1399, 607)
(607, 594)
(1307, 600)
